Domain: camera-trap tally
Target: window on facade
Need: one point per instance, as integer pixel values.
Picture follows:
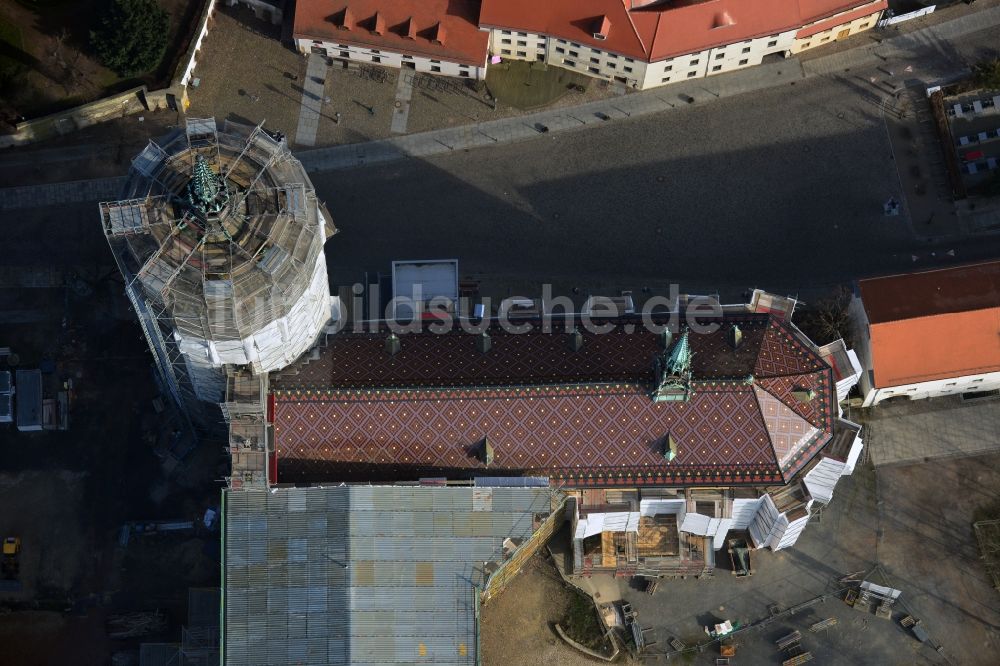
(720, 56)
(951, 384)
(375, 51)
(666, 79)
(743, 62)
(773, 42)
(435, 68)
(574, 54)
(612, 65)
(716, 68)
(593, 70)
(436, 61)
(522, 54)
(407, 57)
(568, 62)
(694, 62)
(806, 45)
(594, 51)
(464, 73)
(627, 69)
(746, 49)
(612, 56)
(522, 34)
(864, 25)
(825, 39)
(345, 54)
(976, 381)
(561, 41)
(596, 61)
(505, 41)
(560, 49)
(691, 75)
(505, 51)
(521, 42)
(629, 60)
(505, 32)
(668, 68)
(376, 59)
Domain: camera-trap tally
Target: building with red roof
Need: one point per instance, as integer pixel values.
(747, 404)
(651, 43)
(928, 334)
(641, 43)
(434, 36)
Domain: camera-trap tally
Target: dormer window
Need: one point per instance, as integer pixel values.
(602, 26)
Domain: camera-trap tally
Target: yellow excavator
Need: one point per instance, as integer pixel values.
(11, 555)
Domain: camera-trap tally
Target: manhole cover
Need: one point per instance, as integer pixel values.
(398, 104)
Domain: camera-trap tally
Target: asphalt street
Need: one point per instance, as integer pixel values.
(782, 189)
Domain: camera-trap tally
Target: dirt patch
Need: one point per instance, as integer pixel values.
(40, 638)
(929, 549)
(517, 626)
(42, 509)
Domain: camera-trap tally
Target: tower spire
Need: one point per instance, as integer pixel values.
(207, 192)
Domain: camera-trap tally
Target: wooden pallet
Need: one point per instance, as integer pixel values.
(823, 624)
(798, 659)
(786, 642)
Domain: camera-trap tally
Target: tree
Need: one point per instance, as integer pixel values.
(131, 36)
(986, 74)
(827, 319)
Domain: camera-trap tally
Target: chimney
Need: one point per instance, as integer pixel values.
(484, 342)
(346, 18)
(575, 340)
(437, 34)
(602, 26)
(669, 448)
(666, 337)
(410, 32)
(803, 394)
(378, 24)
(486, 452)
(393, 344)
(735, 337)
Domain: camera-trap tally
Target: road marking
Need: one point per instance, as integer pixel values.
(401, 107)
(312, 101)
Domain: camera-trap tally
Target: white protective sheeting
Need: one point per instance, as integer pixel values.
(696, 523)
(853, 455)
(653, 507)
(821, 479)
(791, 533)
(743, 512)
(765, 525)
(280, 342)
(618, 521)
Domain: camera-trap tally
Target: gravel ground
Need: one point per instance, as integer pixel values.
(235, 84)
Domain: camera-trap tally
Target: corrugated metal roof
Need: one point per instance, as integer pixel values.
(363, 574)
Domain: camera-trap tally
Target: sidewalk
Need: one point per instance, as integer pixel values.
(938, 59)
(55, 194)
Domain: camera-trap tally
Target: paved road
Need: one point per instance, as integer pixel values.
(782, 189)
(931, 429)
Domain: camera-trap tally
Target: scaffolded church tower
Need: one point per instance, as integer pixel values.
(220, 236)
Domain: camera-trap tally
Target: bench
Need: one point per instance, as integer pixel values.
(791, 640)
(823, 624)
(798, 659)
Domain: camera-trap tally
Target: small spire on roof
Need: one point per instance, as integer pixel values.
(393, 344)
(575, 340)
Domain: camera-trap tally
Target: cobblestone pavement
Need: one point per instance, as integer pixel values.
(923, 430)
(54, 194)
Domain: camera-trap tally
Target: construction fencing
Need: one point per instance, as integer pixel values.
(508, 571)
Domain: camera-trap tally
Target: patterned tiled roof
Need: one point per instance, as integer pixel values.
(585, 417)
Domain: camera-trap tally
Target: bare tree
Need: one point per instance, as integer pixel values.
(827, 319)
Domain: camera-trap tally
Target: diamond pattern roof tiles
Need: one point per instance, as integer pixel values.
(585, 417)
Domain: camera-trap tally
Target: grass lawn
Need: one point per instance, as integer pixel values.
(531, 85)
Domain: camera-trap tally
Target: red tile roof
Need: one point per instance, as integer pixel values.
(585, 417)
(659, 30)
(439, 29)
(935, 324)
